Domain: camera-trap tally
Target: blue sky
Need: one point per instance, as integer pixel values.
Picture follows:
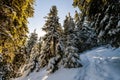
(42, 8)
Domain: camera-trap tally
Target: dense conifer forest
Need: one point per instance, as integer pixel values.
(98, 24)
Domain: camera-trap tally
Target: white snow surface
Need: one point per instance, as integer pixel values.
(61, 74)
(101, 63)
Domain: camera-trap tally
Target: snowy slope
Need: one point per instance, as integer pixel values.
(99, 64)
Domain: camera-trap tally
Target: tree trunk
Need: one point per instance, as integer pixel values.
(54, 46)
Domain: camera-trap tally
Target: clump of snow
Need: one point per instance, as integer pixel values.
(118, 23)
(101, 34)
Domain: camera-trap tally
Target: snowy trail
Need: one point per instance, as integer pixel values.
(100, 64)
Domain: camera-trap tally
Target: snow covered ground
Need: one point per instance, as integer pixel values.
(61, 74)
(99, 64)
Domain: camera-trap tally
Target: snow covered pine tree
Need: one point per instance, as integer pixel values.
(71, 57)
(106, 18)
(32, 51)
(86, 35)
(53, 29)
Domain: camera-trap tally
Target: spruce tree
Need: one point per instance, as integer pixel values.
(32, 51)
(13, 30)
(105, 18)
(25, 56)
(19, 62)
(31, 41)
(37, 59)
(86, 35)
(71, 58)
(13, 23)
(53, 29)
(56, 62)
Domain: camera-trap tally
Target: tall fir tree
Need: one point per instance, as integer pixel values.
(13, 30)
(53, 31)
(13, 23)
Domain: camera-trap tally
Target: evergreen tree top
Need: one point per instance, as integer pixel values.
(53, 11)
(76, 17)
(69, 24)
(52, 21)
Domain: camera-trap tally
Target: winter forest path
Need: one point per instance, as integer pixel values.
(100, 64)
